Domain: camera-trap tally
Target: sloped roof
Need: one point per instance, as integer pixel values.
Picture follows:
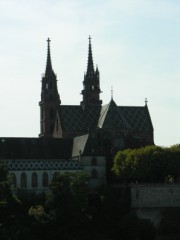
(138, 118)
(79, 144)
(35, 148)
(111, 117)
(74, 118)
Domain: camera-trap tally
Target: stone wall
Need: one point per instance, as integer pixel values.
(149, 201)
(155, 196)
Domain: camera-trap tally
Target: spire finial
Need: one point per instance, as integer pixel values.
(146, 101)
(90, 66)
(111, 92)
(48, 64)
(48, 40)
(89, 39)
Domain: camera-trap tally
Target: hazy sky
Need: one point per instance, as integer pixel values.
(136, 45)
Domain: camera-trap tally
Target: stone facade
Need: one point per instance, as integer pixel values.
(149, 201)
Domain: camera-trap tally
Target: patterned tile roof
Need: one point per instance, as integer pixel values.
(138, 118)
(111, 117)
(53, 164)
(74, 118)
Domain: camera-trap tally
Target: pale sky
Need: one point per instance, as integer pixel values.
(135, 43)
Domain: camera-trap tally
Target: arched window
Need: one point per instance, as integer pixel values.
(34, 180)
(94, 173)
(13, 179)
(93, 161)
(23, 180)
(45, 179)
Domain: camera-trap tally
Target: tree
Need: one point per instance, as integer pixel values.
(147, 164)
(65, 210)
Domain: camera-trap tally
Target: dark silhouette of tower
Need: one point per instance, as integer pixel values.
(91, 88)
(50, 100)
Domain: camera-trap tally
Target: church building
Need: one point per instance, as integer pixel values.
(75, 137)
(126, 126)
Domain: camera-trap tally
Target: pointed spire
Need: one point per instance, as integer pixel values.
(49, 69)
(90, 66)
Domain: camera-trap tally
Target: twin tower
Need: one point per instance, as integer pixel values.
(51, 123)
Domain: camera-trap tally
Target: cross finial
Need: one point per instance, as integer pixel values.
(48, 40)
(111, 92)
(146, 101)
(89, 38)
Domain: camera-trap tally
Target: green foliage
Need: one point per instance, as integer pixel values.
(12, 219)
(148, 164)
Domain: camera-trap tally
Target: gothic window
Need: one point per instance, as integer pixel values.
(45, 179)
(46, 85)
(13, 179)
(92, 87)
(34, 180)
(93, 161)
(94, 173)
(23, 180)
(51, 113)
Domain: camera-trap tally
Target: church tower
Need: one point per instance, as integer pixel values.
(50, 100)
(91, 88)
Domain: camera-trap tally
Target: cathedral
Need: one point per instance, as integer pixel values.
(126, 126)
(75, 137)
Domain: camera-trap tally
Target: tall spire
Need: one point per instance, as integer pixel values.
(90, 66)
(91, 86)
(49, 69)
(50, 100)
